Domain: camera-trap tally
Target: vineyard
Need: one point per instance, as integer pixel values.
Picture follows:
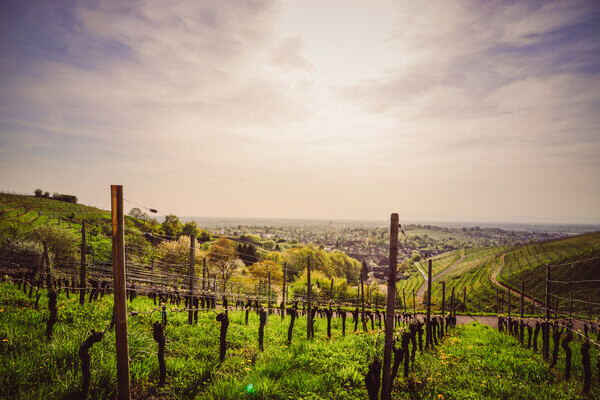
(294, 330)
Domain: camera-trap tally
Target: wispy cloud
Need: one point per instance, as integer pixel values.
(291, 102)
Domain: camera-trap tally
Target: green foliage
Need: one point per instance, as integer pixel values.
(171, 226)
(62, 243)
(190, 229)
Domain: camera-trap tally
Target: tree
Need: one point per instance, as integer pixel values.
(61, 243)
(222, 257)
(204, 236)
(175, 255)
(171, 225)
(247, 253)
(139, 214)
(260, 272)
(190, 229)
(38, 192)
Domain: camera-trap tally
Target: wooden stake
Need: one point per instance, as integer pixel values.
(386, 385)
(428, 338)
(309, 303)
(82, 269)
(120, 308)
(192, 273)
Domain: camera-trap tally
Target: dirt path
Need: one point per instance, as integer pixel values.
(494, 280)
(423, 287)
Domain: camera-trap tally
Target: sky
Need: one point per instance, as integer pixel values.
(436, 110)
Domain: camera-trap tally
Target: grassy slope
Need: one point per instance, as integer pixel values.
(474, 362)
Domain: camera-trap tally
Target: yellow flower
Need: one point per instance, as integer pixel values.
(440, 397)
(5, 340)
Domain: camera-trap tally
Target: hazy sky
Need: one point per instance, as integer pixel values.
(324, 109)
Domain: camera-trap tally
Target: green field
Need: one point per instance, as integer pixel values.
(473, 362)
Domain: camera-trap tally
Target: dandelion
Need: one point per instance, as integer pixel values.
(430, 379)
(5, 340)
(440, 397)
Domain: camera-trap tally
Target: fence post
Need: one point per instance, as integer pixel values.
(309, 303)
(82, 269)
(269, 298)
(428, 338)
(118, 248)
(443, 308)
(283, 299)
(362, 293)
(547, 315)
(386, 385)
(192, 273)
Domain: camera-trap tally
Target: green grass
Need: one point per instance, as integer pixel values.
(477, 362)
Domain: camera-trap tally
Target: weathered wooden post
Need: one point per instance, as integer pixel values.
(283, 293)
(269, 298)
(118, 248)
(362, 294)
(386, 385)
(443, 309)
(192, 273)
(82, 268)
(546, 332)
(428, 338)
(309, 302)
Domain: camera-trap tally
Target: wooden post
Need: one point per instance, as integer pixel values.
(547, 315)
(82, 268)
(452, 304)
(120, 308)
(404, 299)
(283, 294)
(308, 298)
(443, 307)
(428, 338)
(269, 298)
(362, 294)
(192, 273)
(386, 385)
(331, 290)
(414, 304)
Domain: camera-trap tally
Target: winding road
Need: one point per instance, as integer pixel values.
(447, 271)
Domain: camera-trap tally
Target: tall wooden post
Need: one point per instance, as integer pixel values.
(192, 273)
(362, 294)
(309, 303)
(547, 316)
(120, 309)
(414, 304)
(386, 385)
(428, 338)
(331, 290)
(443, 308)
(82, 268)
(452, 304)
(283, 293)
(269, 298)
